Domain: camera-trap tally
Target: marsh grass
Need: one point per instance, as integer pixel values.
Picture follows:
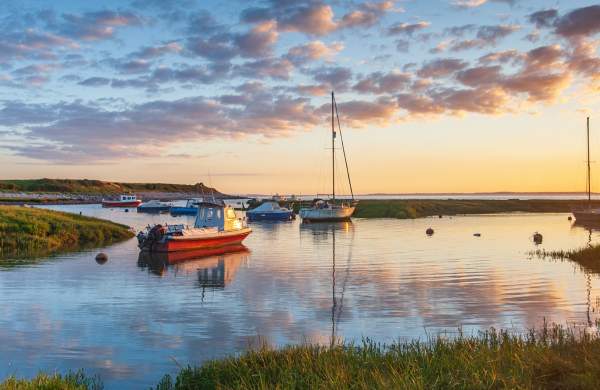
(554, 358)
(70, 381)
(418, 208)
(588, 258)
(29, 232)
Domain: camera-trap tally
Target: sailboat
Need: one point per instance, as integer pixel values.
(588, 214)
(325, 211)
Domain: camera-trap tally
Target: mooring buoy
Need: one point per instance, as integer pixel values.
(429, 231)
(101, 258)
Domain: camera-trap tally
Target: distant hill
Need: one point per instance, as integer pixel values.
(85, 186)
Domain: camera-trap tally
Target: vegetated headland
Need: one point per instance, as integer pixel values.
(587, 258)
(554, 358)
(92, 191)
(28, 232)
(419, 208)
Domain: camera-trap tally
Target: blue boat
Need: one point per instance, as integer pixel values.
(190, 208)
(270, 211)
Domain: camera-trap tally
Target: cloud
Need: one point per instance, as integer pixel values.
(312, 51)
(97, 25)
(149, 52)
(580, 22)
(259, 41)
(32, 44)
(486, 36)
(312, 19)
(503, 57)
(543, 18)
(274, 68)
(441, 67)
(316, 18)
(477, 3)
(480, 75)
(75, 131)
(335, 78)
(406, 28)
(95, 82)
(383, 83)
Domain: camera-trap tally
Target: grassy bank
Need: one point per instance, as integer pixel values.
(553, 359)
(70, 381)
(84, 186)
(419, 208)
(26, 232)
(588, 258)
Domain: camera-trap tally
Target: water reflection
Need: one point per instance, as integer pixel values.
(382, 279)
(323, 231)
(215, 268)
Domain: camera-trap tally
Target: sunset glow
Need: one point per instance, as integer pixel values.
(434, 96)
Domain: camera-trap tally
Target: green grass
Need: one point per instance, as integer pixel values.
(418, 208)
(71, 381)
(27, 232)
(588, 258)
(551, 359)
(84, 186)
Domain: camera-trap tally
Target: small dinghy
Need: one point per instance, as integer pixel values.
(216, 226)
(154, 206)
(270, 211)
(190, 208)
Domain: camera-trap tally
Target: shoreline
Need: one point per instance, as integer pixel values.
(551, 357)
(28, 233)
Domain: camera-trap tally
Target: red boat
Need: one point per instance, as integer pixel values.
(124, 201)
(216, 226)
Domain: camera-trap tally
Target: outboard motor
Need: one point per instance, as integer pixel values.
(155, 234)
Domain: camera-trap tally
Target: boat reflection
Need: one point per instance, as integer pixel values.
(324, 231)
(589, 226)
(215, 268)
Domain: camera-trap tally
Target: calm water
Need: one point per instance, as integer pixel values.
(130, 322)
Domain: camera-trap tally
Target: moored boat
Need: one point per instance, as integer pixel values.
(124, 200)
(190, 208)
(216, 226)
(588, 214)
(154, 206)
(330, 211)
(270, 211)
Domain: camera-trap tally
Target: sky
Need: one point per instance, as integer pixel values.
(433, 96)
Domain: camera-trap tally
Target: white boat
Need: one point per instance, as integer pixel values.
(588, 214)
(330, 211)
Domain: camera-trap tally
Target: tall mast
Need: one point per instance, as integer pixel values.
(332, 147)
(589, 181)
(337, 115)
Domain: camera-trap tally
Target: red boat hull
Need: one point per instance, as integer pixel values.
(201, 243)
(133, 203)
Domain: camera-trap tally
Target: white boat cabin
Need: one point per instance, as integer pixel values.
(220, 216)
(127, 198)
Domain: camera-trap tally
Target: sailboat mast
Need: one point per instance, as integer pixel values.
(332, 147)
(589, 181)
